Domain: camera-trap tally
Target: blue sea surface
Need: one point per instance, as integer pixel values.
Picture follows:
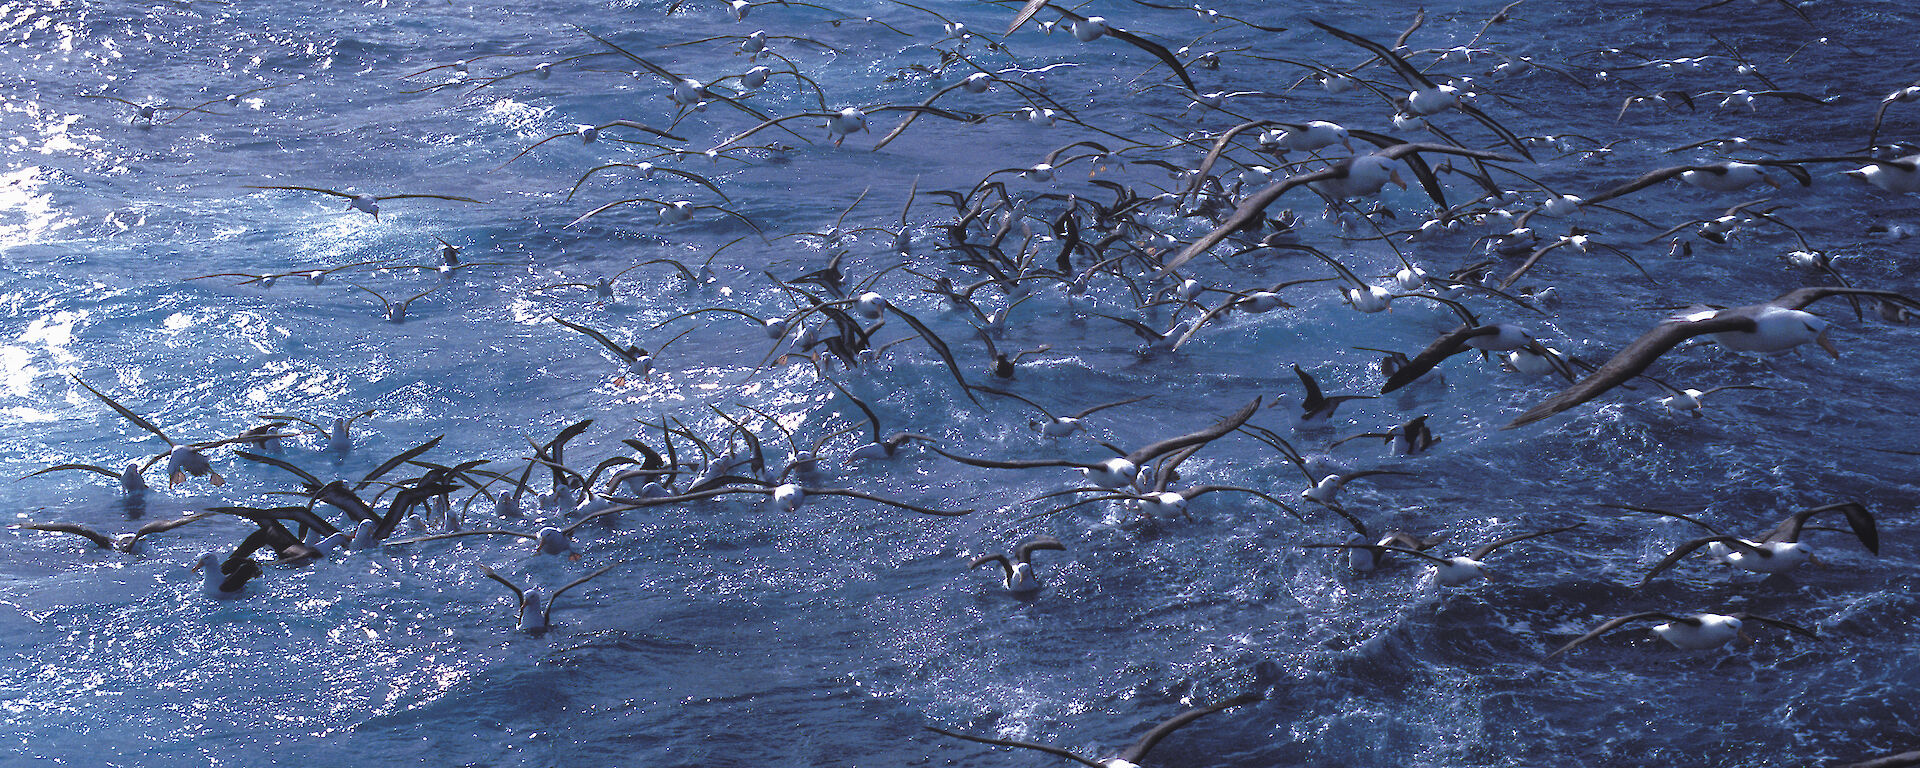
(730, 632)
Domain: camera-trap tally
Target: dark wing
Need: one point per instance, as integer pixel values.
(1033, 6)
(162, 526)
(61, 467)
(547, 615)
(519, 597)
(1789, 626)
(1159, 51)
(313, 483)
(1101, 407)
(301, 515)
(1135, 753)
(694, 177)
(645, 129)
(1376, 548)
(94, 536)
(1005, 567)
(1612, 624)
(889, 502)
(238, 574)
(1442, 348)
(992, 464)
(1687, 548)
(992, 391)
(1400, 66)
(1055, 751)
(1630, 362)
(1249, 213)
(1149, 453)
(122, 410)
(1858, 518)
(1675, 515)
(1314, 396)
(1220, 145)
(1799, 298)
(1024, 552)
(596, 336)
(456, 534)
(939, 348)
(1481, 552)
(399, 459)
(1649, 179)
(433, 197)
(301, 189)
(872, 419)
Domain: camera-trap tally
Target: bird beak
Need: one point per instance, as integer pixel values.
(176, 478)
(1827, 344)
(1395, 178)
(574, 557)
(1744, 638)
(217, 479)
(1770, 182)
(196, 567)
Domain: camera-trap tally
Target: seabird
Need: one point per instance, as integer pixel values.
(1129, 757)
(369, 204)
(1316, 409)
(1778, 550)
(1455, 571)
(536, 616)
(1772, 326)
(1697, 632)
(225, 578)
(132, 479)
(1019, 574)
(1120, 472)
(122, 543)
(1060, 426)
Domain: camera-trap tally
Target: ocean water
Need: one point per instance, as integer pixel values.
(729, 632)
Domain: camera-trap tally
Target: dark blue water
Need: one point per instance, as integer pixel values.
(732, 633)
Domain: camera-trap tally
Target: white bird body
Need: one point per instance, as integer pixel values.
(1318, 134)
(869, 304)
(1369, 299)
(787, 497)
(1713, 631)
(1736, 176)
(1090, 28)
(337, 439)
(1366, 175)
(553, 541)
(1165, 503)
(1900, 176)
(1458, 570)
(1782, 556)
(1532, 363)
(1112, 473)
(1022, 579)
(1428, 101)
(847, 122)
(1777, 330)
(689, 92)
(1508, 338)
(184, 460)
(363, 536)
(533, 610)
(131, 478)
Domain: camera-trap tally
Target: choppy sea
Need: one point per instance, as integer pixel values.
(731, 633)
